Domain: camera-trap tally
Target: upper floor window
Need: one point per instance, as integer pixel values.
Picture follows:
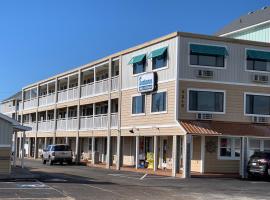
(229, 148)
(159, 102)
(159, 58)
(138, 104)
(206, 101)
(138, 63)
(258, 60)
(205, 55)
(257, 104)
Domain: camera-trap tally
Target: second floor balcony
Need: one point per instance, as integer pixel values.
(30, 103)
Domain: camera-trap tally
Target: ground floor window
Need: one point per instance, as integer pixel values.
(229, 148)
(257, 145)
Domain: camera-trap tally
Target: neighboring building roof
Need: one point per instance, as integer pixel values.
(225, 128)
(251, 19)
(16, 125)
(18, 96)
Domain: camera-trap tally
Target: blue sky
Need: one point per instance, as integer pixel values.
(39, 39)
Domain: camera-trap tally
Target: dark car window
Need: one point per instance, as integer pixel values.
(61, 148)
(261, 155)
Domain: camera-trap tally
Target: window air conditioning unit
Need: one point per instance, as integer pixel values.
(260, 78)
(204, 116)
(257, 119)
(205, 73)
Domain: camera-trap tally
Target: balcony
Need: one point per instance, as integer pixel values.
(68, 94)
(67, 124)
(31, 103)
(115, 83)
(86, 123)
(46, 125)
(47, 99)
(20, 106)
(88, 90)
(101, 86)
(114, 120)
(33, 125)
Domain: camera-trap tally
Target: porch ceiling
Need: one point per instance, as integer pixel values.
(225, 128)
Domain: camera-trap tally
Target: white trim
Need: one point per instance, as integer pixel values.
(243, 29)
(156, 92)
(177, 100)
(232, 157)
(206, 90)
(138, 95)
(5, 145)
(207, 44)
(245, 60)
(202, 153)
(254, 94)
(223, 82)
(152, 126)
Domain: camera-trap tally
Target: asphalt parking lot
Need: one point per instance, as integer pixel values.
(81, 182)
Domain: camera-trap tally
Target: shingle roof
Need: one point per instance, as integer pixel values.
(225, 128)
(18, 95)
(244, 21)
(16, 125)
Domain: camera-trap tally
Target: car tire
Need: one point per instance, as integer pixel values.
(43, 161)
(50, 161)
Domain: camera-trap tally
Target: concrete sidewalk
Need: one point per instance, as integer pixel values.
(18, 173)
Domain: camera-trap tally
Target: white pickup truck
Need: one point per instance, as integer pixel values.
(57, 153)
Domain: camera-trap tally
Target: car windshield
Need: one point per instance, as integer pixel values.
(61, 148)
(261, 155)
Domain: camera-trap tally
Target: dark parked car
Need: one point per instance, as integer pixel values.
(259, 165)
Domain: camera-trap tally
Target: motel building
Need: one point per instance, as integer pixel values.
(181, 104)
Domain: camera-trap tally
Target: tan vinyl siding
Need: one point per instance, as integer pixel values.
(234, 108)
(4, 160)
(148, 119)
(214, 165)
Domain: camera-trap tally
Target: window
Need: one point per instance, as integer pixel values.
(254, 146)
(139, 67)
(206, 101)
(159, 102)
(159, 62)
(138, 104)
(257, 104)
(258, 60)
(229, 148)
(204, 55)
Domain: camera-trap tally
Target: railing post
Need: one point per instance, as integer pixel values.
(54, 111)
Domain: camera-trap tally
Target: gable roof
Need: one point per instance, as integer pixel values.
(18, 96)
(16, 125)
(245, 21)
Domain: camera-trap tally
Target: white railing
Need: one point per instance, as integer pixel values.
(114, 120)
(46, 126)
(88, 90)
(20, 106)
(33, 125)
(68, 94)
(100, 121)
(115, 83)
(67, 124)
(31, 103)
(47, 99)
(86, 123)
(101, 86)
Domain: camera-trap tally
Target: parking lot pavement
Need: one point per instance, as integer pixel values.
(33, 189)
(80, 182)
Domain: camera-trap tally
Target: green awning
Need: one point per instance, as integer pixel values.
(262, 55)
(206, 49)
(137, 59)
(157, 52)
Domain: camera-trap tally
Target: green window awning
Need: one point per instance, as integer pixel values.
(137, 59)
(157, 52)
(206, 49)
(262, 55)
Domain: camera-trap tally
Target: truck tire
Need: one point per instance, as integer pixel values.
(50, 161)
(43, 161)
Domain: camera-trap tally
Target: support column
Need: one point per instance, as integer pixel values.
(137, 144)
(109, 152)
(23, 151)
(244, 157)
(202, 153)
(20, 146)
(45, 142)
(78, 152)
(175, 155)
(93, 151)
(29, 147)
(67, 141)
(36, 148)
(55, 111)
(15, 148)
(186, 155)
(155, 153)
(119, 152)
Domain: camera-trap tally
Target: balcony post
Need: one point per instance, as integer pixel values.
(186, 155)
(109, 152)
(155, 153)
(54, 111)
(67, 118)
(78, 120)
(95, 80)
(36, 142)
(137, 144)
(67, 87)
(93, 150)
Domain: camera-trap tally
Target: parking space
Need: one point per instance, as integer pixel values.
(29, 190)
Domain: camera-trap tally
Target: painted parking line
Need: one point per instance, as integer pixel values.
(144, 177)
